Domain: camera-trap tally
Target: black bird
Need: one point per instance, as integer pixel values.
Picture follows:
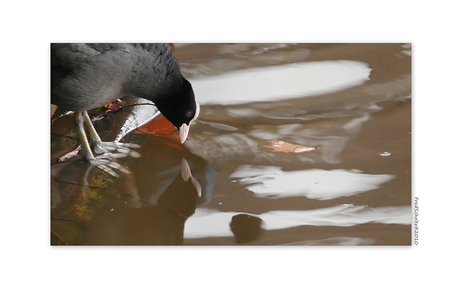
(87, 76)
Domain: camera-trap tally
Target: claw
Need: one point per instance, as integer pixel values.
(117, 166)
(134, 154)
(106, 166)
(103, 161)
(123, 150)
(130, 145)
(102, 164)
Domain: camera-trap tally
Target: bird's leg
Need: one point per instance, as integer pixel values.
(92, 131)
(104, 147)
(85, 147)
(105, 165)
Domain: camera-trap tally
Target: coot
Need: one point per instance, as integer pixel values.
(87, 76)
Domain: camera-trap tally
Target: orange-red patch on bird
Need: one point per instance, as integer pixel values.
(159, 126)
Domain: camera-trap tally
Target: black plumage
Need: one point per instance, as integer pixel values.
(87, 76)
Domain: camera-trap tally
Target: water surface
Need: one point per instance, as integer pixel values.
(296, 144)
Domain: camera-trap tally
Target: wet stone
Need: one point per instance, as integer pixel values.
(246, 227)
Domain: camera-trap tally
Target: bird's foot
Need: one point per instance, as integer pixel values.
(120, 150)
(107, 165)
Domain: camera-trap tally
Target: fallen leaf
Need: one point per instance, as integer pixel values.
(114, 106)
(285, 147)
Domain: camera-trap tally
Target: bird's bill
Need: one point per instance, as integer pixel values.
(185, 128)
(183, 132)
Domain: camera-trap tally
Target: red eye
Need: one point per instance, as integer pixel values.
(189, 114)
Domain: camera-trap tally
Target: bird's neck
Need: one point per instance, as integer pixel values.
(152, 80)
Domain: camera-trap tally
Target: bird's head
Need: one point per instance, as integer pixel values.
(180, 108)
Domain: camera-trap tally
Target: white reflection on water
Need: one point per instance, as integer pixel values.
(347, 241)
(312, 183)
(280, 82)
(213, 223)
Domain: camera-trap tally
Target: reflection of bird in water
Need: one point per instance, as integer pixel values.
(87, 76)
(162, 162)
(147, 224)
(186, 174)
(160, 224)
(152, 203)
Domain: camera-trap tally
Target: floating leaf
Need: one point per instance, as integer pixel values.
(285, 147)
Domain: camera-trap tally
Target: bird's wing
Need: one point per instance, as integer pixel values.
(71, 55)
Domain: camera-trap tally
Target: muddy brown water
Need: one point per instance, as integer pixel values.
(296, 144)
